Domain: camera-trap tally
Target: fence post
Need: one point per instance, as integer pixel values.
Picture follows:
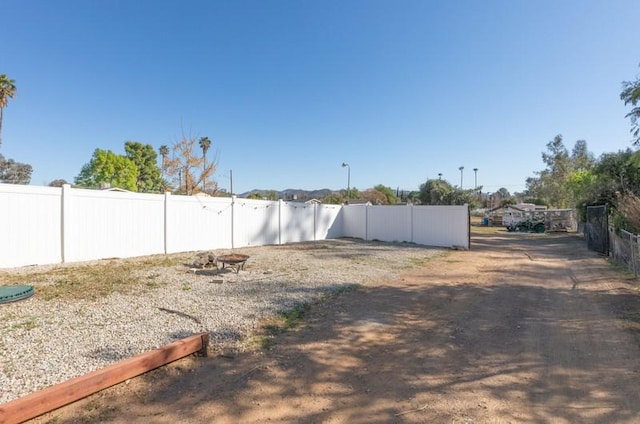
(65, 221)
(633, 246)
(233, 212)
(315, 215)
(411, 221)
(366, 222)
(280, 203)
(166, 221)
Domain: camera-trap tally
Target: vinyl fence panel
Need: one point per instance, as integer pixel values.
(296, 222)
(328, 222)
(389, 223)
(107, 224)
(256, 222)
(443, 226)
(198, 223)
(30, 225)
(354, 221)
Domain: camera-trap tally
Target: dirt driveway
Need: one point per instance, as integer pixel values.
(521, 329)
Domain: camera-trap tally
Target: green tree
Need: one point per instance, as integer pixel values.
(581, 158)
(552, 183)
(616, 183)
(352, 194)
(464, 197)
(387, 192)
(12, 172)
(631, 95)
(508, 201)
(106, 167)
(414, 197)
(375, 197)
(436, 192)
(7, 91)
(333, 199)
(582, 183)
(145, 159)
(255, 195)
(539, 201)
(617, 173)
(504, 193)
(271, 195)
(441, 192)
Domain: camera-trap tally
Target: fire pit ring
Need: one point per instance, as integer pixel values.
(235, 261)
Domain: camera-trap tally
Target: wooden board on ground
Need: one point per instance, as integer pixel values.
(54, 397)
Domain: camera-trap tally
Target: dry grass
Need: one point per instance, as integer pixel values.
(479, 229)
(95, 280)
(629, 207)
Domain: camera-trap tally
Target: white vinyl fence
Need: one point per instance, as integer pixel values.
(48, 225)
(445, 226)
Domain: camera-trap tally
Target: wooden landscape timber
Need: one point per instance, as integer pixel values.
(54, 397)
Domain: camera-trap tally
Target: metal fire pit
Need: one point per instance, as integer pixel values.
(234, 261)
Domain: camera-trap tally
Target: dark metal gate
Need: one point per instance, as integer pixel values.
(597, 229)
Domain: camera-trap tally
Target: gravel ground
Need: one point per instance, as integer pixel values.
(45, 342)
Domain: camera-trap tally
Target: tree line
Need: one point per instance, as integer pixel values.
(577, 179)
(571, 178)
(183, 169)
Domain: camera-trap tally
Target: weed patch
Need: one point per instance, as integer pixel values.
(292, 318)
(28, 324)
(94, 281)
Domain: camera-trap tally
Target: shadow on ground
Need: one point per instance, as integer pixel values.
(543, 337)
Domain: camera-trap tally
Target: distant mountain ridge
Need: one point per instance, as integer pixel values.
(294, 194)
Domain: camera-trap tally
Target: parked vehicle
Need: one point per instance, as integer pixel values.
(528, 226)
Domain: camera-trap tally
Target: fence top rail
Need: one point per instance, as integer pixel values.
(631, 235)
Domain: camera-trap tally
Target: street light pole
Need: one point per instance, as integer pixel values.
(475, 171)
(461, 173)
(439, 175)
(344, 164)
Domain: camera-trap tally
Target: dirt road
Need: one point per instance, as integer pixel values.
(521, 329)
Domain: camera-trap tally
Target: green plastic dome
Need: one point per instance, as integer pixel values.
(15, 293)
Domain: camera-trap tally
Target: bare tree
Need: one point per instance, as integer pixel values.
(187, 167)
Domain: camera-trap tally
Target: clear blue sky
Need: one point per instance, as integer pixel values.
(288, 90)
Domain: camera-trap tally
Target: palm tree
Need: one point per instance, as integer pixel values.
(7, 91)
(205, 144)
(164, 152)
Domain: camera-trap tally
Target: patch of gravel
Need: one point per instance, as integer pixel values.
(48, 342)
